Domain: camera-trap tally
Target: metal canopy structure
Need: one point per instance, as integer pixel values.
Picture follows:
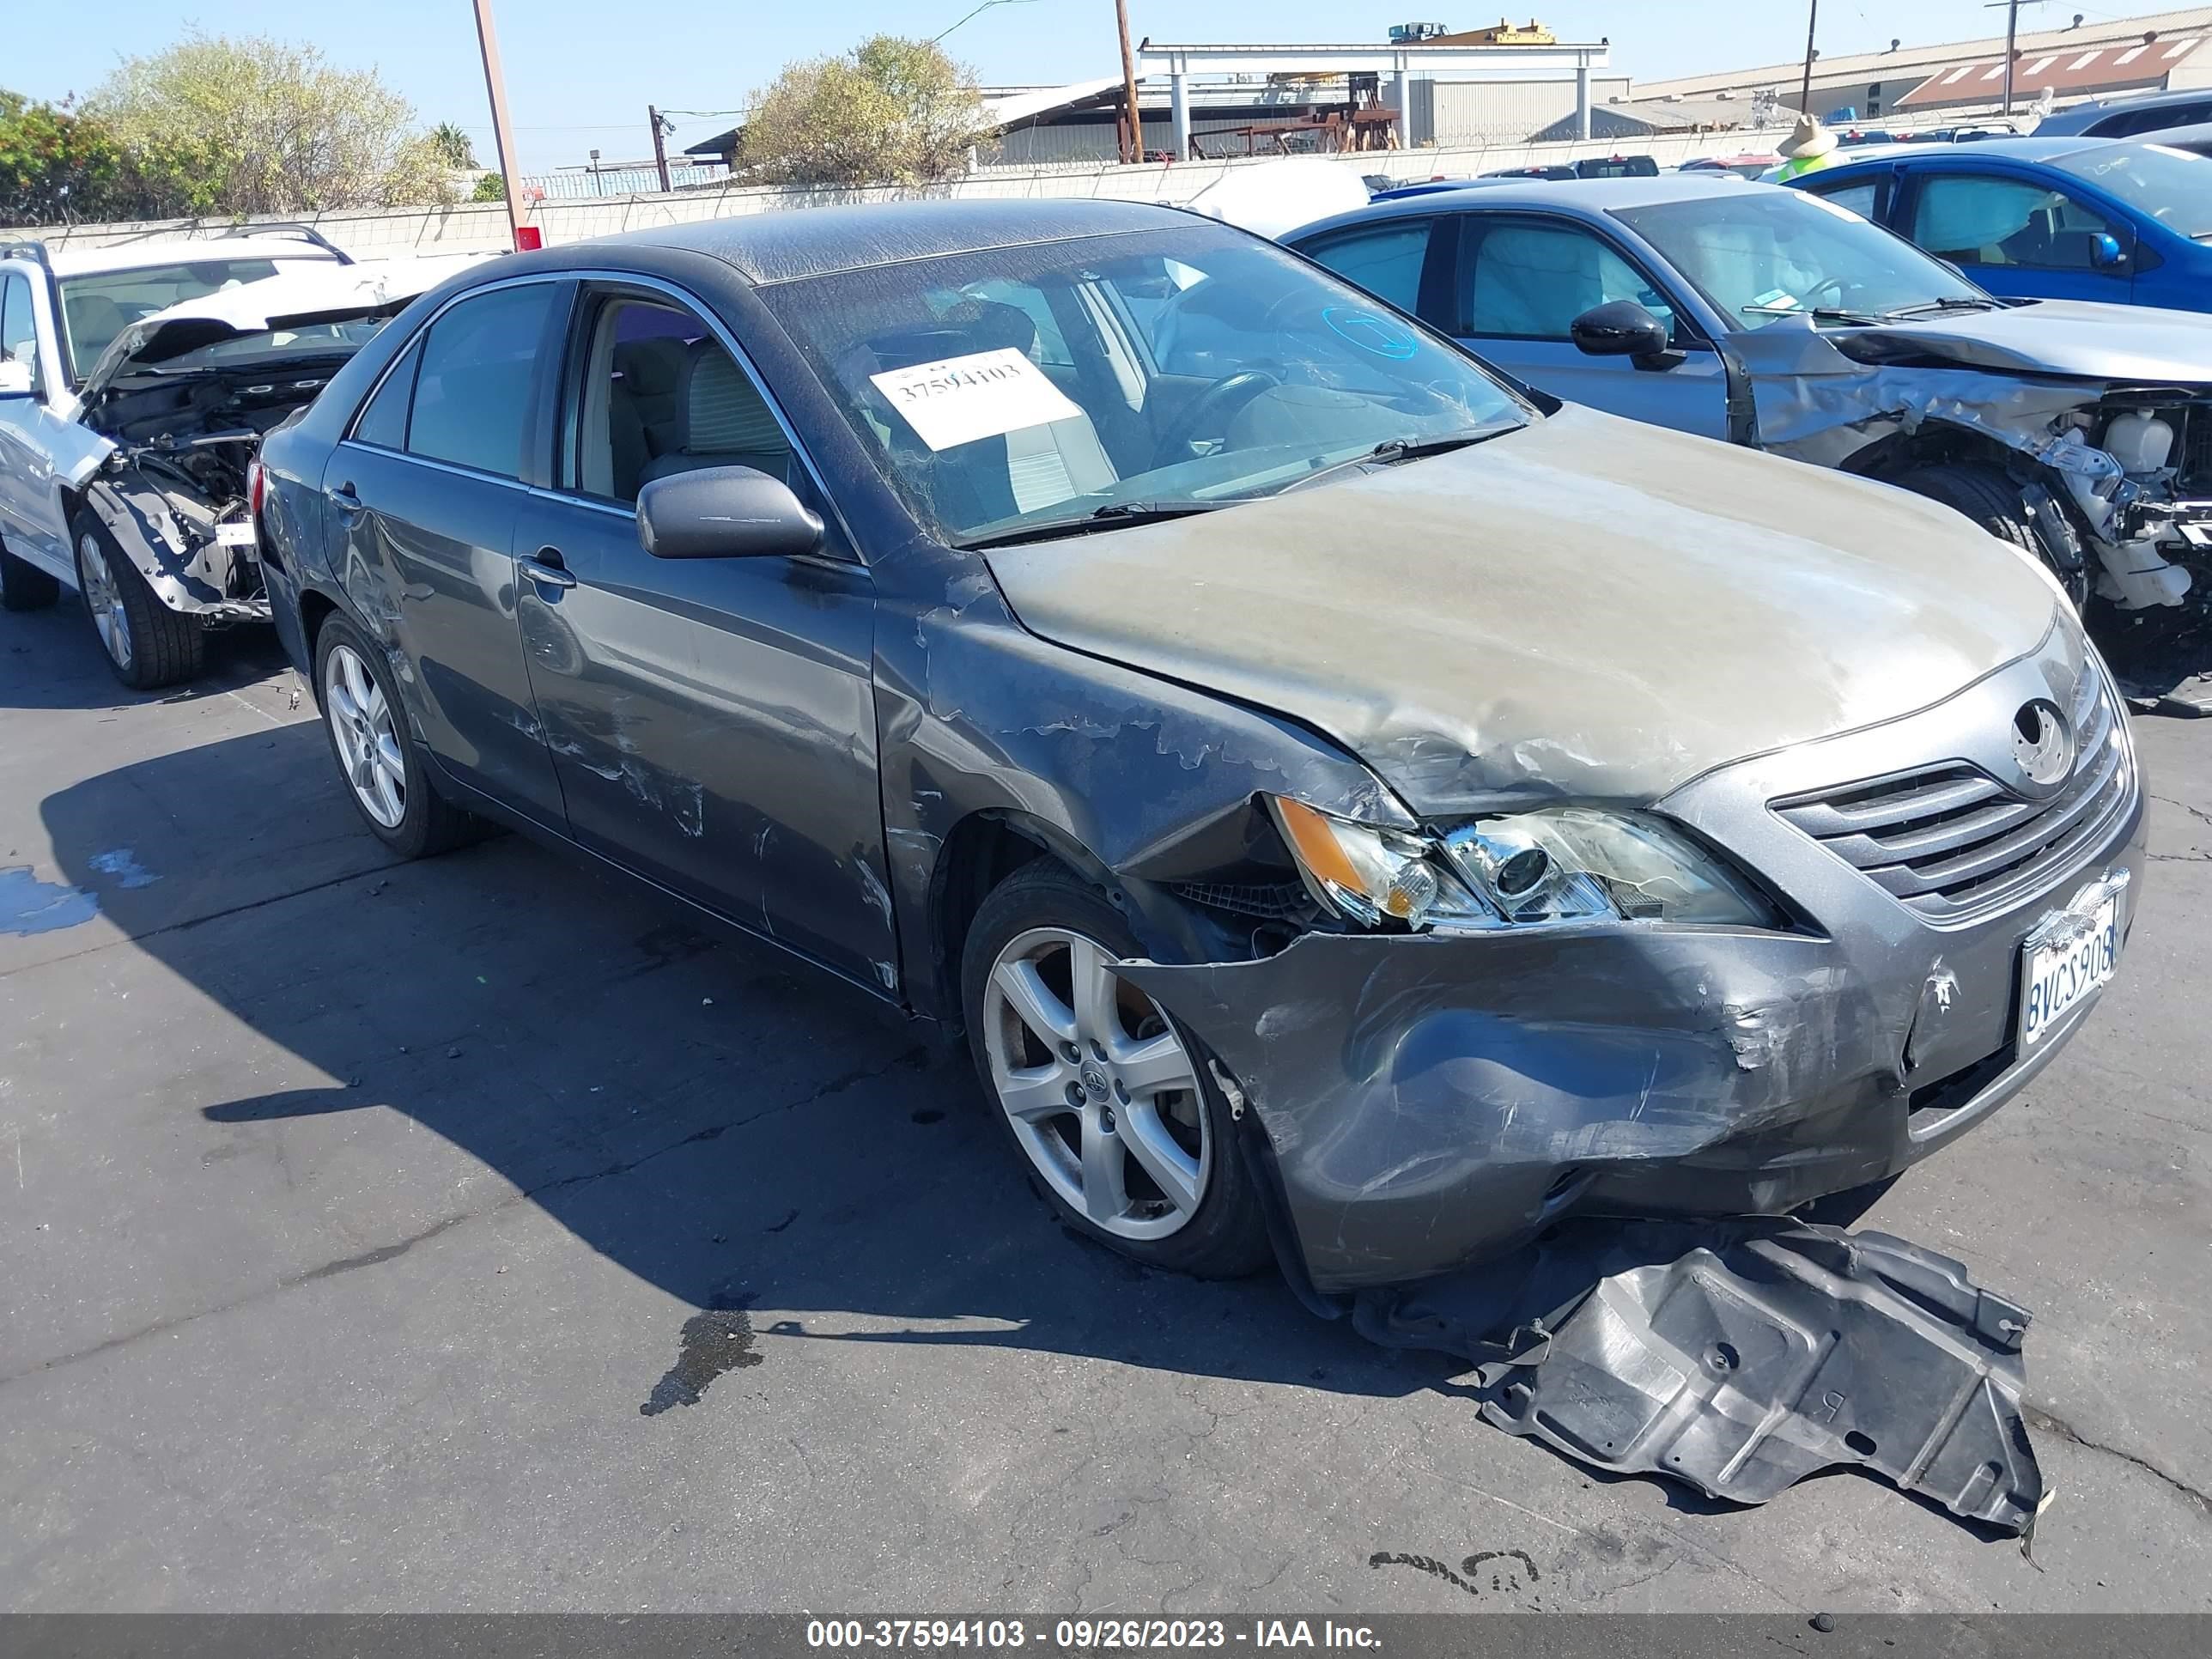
(1402, 63)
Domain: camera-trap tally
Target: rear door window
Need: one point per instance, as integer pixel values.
(474, 388)
(1385, 259)
(1864, 198)
(384, 421)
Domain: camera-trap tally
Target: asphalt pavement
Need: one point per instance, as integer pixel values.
(474, 1235)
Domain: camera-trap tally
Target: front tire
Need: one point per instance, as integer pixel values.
(383, 770)
(1992, 501)
(147, 645)
(1107, 1101)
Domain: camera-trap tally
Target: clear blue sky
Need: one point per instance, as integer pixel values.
(580, 72)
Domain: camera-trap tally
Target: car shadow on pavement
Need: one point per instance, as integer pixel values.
(74, 675)
(747, 1134)
(778, 1149)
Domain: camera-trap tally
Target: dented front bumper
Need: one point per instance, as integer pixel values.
(1430, 1100)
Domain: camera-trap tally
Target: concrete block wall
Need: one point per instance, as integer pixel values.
(473, 227)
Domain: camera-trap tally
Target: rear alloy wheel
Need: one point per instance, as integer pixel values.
(384, 771)
(1105, 1096)
(147, 645)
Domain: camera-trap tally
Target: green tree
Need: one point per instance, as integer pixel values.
(890, 111)
(492, 187)
(250, 124)
(454, 147)
(58, 164)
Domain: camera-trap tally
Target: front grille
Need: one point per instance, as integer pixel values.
(1952, 843)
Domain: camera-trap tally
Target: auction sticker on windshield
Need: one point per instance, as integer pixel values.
(2064, 962)
(984, 395)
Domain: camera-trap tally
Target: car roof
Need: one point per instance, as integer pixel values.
(1589, 196)
(780, 247)
(2010, 150)
(2083, 115)
(139, 256)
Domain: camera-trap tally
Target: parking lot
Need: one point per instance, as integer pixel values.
(468, 1235)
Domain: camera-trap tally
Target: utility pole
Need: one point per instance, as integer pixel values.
(1805, 88)
(660, 145)
(2012, 36)
(1133, 143)
(502, 132)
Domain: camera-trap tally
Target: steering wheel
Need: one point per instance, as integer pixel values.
(1832, 287)
(1212, 408)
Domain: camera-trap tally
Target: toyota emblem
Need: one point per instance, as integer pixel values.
(2042, 745)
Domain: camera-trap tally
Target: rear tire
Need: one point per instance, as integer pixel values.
(147, 645)
(382, 768)
(1992, 501)
(23, 586)
(1118, 1120)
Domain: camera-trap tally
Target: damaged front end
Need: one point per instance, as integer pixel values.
(2112, 476)
(178, 504)
(179, 402)
(1614, 1015)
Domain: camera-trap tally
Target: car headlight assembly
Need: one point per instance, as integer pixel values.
(1559, 864)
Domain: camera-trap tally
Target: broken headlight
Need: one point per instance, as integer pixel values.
(1556, 863)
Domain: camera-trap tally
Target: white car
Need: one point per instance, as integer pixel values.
(136, 383)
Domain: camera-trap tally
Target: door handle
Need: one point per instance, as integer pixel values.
(545, 567)
(345, 501)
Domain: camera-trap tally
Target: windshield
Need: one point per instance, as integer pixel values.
(1169, 371)
(2173, 186)
(1761, 255)
(96, 308)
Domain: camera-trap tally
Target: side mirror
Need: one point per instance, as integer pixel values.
(2106, 252)
(15, 379)
(1622, 328)
(724, 512)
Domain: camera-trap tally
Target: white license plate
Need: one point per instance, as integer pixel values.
(236, 534)
(2061, 967)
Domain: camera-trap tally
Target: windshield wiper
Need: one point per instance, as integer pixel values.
(1948, 302)
(1818, 313)
(1391, 451)
(1115, 515)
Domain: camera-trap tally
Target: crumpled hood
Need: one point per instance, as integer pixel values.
(1593, 608)
(324, 294)
(2128, 343)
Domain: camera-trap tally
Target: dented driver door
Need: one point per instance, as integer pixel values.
(711, 720)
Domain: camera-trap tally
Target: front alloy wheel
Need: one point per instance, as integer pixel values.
(1112, 1104)
(103, 597)
(1097, 1085)
(367, 743)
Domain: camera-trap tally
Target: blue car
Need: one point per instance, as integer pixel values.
(2074, 218)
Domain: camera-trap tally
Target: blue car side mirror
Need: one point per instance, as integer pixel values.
(2106, 252)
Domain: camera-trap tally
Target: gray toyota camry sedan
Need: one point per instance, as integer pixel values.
(1356, 807)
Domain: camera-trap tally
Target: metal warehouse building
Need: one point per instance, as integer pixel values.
(2090, 58)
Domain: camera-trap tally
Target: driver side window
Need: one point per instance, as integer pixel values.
(1525, 280)
(1987, 220)
(19, 332)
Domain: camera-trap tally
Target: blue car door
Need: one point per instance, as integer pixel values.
(1521, 281)
(2020, 235)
